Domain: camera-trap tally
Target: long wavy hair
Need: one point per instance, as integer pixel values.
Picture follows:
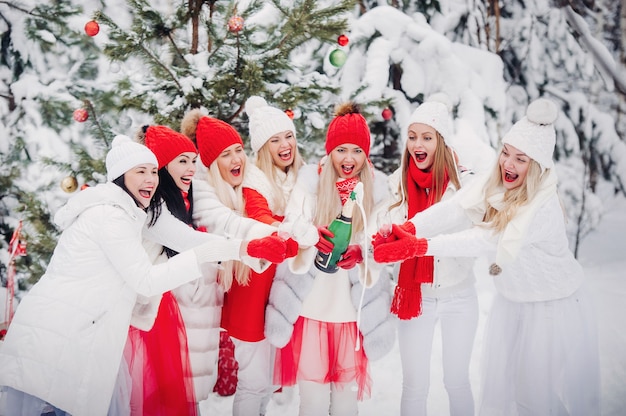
(444, 161)
(232, 197)
(327, 192)
(514, 198)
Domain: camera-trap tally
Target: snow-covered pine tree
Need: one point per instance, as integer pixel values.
(213, 55)
(47, 68)
(150, 64)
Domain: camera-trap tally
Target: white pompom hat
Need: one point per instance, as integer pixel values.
(265, 121)
(435, 112)
(534, 134)
(125, 154)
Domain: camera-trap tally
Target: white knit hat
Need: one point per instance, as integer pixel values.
(534, 134)
(265, 121)
(126, 154)
(435, 112)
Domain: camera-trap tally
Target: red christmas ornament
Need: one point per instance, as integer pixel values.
(289, 113)
(235, 24)
(84, 186)
(387, 114)
(81, 115)
(342, 40)
(92, 28)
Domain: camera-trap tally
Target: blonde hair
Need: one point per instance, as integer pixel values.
(514, 198)
(443, 161)
(327, 192)
(265, 162)
(233, 199)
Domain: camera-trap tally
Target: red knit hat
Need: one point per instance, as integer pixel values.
(348, 126)
(213, 136)
(166, 143)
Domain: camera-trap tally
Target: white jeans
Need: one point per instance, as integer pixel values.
(458, 314)
(254, 377)
(317, 399)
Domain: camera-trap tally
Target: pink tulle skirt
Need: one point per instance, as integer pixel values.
(324, 352)
(158, 361)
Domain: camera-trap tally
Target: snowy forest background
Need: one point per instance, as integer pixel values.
(152, 61)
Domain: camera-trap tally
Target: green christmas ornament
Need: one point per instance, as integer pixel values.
(337, 58)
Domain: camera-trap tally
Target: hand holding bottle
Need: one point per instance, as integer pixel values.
(351, 257)
(324, 245)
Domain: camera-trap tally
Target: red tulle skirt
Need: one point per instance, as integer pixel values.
(324, 352)
(159, 365)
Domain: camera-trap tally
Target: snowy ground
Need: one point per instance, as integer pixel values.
(604, 258)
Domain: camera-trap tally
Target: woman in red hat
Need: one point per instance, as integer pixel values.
(326, 324)
(219, 184)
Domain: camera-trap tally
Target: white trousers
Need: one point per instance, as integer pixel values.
(458, 316)
(254, 377)
(317, 399)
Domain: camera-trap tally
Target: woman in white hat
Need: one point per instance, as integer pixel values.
(65, 343)
(429, 289)
(541, 347)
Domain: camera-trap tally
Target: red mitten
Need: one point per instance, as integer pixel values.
(351, 257)
(292, 248)
(409, 227)
(378, 239)
(405, 247)
(271, 248)
(323, 245)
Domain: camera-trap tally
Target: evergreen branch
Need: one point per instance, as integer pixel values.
(13, 5)
(125, 52)
(92, 111)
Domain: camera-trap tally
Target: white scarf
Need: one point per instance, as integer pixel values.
(509, 244)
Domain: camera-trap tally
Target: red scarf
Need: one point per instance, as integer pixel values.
(186, 199)
(345, 188)
(407, 298)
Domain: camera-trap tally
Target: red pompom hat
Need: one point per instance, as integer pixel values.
(166, 143)
(348, 126)
(213, 136)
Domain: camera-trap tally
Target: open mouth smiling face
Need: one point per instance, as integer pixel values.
(348, 160)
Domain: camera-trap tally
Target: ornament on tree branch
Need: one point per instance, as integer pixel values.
(81, 115)
(337, 58)
(342, 40)
(92, 28)
(289, 113)
(387, 114)
(84, 186)
(235, 24)
(69, 184)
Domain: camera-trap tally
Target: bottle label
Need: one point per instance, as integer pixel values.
(341, 227)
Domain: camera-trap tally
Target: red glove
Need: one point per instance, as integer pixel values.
(292, 248)
(323, 245)
(378, 239)
(351, 257)
(405, 247)
(271, 248)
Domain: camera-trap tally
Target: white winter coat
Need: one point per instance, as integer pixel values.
(66, 340)
(200, 301)
(451, 274)
(544, 267)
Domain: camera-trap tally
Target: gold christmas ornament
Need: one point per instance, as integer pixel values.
(69, 184)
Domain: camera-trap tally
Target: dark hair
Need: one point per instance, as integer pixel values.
(170, 193)
(154, 209)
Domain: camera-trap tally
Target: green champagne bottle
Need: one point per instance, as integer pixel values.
(341, 227)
